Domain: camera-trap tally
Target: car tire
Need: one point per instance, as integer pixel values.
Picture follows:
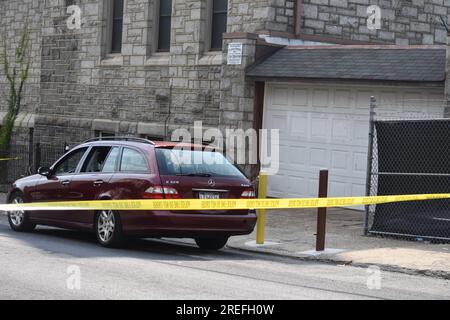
(211, 243)
(108, 229)
(19, 220)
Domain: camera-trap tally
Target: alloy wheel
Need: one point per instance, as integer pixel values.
(106, 225)
(18, 216)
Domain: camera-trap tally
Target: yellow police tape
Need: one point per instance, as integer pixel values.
(223, 204)
(10, 159)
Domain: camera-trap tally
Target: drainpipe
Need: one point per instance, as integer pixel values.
(298, 17)
(166, 123)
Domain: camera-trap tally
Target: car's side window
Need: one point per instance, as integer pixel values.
(133, 161)
(70, 163)
(111, 160)
(96, 160)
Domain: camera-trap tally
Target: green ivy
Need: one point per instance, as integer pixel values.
(16, 74)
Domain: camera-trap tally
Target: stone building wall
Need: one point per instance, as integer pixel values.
(75, 89)
(252, 16)
(284, 17)
(13, 16)
(140, 92)
(403, 21)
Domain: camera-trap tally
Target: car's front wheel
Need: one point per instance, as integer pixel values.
(19, 220)
(211, 243)
(108, 228)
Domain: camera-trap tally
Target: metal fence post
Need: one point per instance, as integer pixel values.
(262, 194)
(30, 153)
(322, 212)
(37, 156)
(372, 115)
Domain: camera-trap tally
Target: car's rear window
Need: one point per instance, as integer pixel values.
(173, 162)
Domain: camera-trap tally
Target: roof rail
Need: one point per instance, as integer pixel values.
(132, 139)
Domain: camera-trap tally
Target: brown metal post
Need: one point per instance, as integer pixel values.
(258, 108)
(322, 212)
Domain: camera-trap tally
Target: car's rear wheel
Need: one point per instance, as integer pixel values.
(211, 243)
(19, 220)
(108, 228)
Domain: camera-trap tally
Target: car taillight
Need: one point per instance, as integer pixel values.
(248, 194)
(171, 193)
(158, 192)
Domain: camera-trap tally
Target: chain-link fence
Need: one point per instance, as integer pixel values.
(18, 161)
(410, 155)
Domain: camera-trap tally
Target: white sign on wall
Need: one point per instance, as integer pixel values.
(235, 53)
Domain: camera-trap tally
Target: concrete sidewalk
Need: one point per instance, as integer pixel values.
(292, 233)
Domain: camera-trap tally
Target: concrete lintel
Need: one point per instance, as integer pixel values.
(23, 120)
(105, 125)
(151, 129)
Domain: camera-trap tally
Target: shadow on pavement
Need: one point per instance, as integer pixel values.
(84, 245)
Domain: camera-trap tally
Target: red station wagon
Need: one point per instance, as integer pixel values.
(132, 168)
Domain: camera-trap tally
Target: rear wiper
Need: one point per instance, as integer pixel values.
(206, 175)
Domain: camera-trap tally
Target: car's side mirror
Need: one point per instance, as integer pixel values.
(44, 171)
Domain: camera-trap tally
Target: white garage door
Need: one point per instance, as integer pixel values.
(324, 126)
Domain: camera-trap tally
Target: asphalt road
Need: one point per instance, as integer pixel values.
(36, 266)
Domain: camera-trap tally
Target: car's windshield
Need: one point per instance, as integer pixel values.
(195, 163)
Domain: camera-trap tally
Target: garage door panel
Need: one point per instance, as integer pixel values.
(340, 160)
(359, 162)
(327, 127)
(280, 96)
(297, 155)
(362, 100)
(338, 188)
(297, 187)
(321, 99)
(279, 121)
(299, 125)
(312, 188)
(301, 99)
(343, 99)
(284, 155)
(358, 189)
(277, 185)
(361, 133)
(342, 130)
(319, 158)
(320, 128)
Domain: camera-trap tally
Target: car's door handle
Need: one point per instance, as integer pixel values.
(98, 183)
(65, 183)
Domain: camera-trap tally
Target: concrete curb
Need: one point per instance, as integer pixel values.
(390, 268)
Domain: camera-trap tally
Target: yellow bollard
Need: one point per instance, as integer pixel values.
(262, 193)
